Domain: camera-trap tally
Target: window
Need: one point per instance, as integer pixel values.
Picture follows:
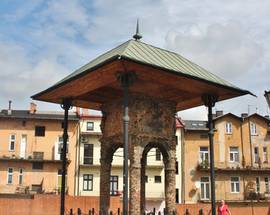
(265, 155)
(12, 140)
(235, 184)
(205, 188)
(204, 154)
(158, 155)
(40, 131)
(88, 154)
(113, 185)
(37, 165)
(60, 144)
(256, 154)
(10, 175)
(228, 128)
(146, 179)
(176, 167)
(234, 154)
(59, 180)
(20, 176)
(177, 196)
(87, 182)
(257, 184)
(253, 129)
(157, 179)
(90, 126)
(267, 188)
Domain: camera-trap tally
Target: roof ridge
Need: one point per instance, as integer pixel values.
(127, 42)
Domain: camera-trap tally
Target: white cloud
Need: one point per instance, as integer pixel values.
(20, 78)
(225, 50)
(229, 51)
(49, 39)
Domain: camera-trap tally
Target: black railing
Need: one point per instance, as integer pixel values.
(153, 212)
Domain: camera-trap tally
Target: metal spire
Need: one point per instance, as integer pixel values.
(137, 36)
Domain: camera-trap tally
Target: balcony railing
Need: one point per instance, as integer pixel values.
(38, 155)
(27, 189)
(49, 155)
(257, 196)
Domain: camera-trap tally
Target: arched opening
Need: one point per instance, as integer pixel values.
(116, 174)
(153, 188)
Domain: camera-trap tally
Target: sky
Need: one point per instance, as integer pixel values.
(42, 41)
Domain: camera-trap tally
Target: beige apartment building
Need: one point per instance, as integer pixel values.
(31, 142)
(88, 177)
(242, 168)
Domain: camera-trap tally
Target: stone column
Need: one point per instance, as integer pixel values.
(135, 180)
(143, 166)
(170, 184)
(105, 172)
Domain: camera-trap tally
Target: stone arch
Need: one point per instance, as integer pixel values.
(162, 146)
(108, 148)
(168, 154)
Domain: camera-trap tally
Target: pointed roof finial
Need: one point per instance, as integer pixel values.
(137, 36)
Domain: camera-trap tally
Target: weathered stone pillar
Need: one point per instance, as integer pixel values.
(170, 183)
(135, 180)
(152, 121)
(105, 172)
(143, 166)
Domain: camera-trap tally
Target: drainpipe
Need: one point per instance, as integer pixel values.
(242, 144)
(77, 159)
(243, 154)
(250, 142)
(209, 101)
(183, 165)
(66, 106)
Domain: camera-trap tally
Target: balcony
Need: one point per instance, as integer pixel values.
(204, 166)
(34, 156)
(254, 196)
(38, 155)
(38, 189)
(249, 196)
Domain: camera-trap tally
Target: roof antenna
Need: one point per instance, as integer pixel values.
(137, 36)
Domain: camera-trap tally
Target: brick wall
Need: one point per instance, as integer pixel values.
(50, 204)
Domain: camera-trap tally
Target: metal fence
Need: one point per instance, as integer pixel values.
(119, 212)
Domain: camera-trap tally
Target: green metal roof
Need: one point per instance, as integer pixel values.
(153, 56)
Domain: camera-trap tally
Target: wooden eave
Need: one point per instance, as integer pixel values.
(99, 84)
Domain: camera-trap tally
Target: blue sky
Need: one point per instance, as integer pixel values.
(43, 41)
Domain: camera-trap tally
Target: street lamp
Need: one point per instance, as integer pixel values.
(267, 97)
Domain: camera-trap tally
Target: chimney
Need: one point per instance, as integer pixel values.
(244, 115)
(219, 113)
(33, 108)
(9, 107)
